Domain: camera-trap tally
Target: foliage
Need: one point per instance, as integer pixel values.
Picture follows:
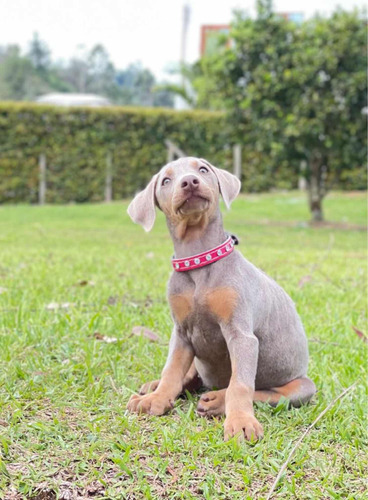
(64, 431)
(327, 126)
(18, 77)
(294, 93)
(76, 143)
(24, 77)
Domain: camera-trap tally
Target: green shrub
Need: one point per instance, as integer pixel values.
(76, 143)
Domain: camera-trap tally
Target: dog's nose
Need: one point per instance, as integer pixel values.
(189, 183)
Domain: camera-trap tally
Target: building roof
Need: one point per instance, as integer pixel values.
(60, 99)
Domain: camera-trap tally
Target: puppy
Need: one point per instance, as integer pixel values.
(235, 329)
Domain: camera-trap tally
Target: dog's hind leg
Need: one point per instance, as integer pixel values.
(297, 392)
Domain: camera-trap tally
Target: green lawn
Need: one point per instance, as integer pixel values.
(64, 429)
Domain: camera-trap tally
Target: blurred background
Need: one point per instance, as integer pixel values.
(96, 97)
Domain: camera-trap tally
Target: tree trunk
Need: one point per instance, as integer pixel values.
(316, 186)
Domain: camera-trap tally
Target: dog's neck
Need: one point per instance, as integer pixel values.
(197, 238)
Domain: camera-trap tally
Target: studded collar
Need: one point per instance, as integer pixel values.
(205, 258)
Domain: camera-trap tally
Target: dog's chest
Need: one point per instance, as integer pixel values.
(199, 313)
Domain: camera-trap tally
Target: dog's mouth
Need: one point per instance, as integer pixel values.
(193, 202)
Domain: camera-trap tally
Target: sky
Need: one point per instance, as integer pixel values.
(131, 30)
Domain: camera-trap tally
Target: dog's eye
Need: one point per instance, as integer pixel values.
(165, 181)
(203, 170)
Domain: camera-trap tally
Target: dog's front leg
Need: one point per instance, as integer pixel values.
(243, 350)
(162, 399)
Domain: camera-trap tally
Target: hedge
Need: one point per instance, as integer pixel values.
(76, 143)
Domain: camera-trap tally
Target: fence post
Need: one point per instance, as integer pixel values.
(302, 181)
(237, 161)
(108, 179)
(172, 151)
(42, 180)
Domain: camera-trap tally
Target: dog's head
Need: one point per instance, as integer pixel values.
(186, 190)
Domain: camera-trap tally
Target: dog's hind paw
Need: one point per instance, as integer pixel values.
(212, 404)
(149, 387)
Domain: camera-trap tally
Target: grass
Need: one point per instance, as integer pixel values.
(64, 430)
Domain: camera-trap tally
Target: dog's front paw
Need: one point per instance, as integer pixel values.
(242, 425)
(153, 404)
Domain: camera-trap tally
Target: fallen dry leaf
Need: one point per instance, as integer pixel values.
(3, 423)
(172, 473)
(85, 283)
(105, 338)
(133, 304)
(304, 280)
(112, 301)
(53, 306)
(360, 334)
(142, 331)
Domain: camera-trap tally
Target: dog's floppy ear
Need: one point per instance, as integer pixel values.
(229, 184)
(142, 209)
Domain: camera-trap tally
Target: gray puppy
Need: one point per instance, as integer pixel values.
(234, 327)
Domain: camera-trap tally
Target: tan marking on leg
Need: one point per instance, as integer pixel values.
(191, 383)
(298, 392)
(169, 387)
(222, 302)
(240, 420)
(267, 396)
(181, 305)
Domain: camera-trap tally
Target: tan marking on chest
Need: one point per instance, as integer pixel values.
(181, 305)
(222, 302)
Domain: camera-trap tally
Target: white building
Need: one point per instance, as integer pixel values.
(60, 99)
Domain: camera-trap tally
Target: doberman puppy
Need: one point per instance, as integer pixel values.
(234, 327)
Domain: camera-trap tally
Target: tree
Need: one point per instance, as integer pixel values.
(101, 72)
(294, 92)
(18, 78)
(76, 73)
(327, 126)
(48, 74)
(138, 86)
(39, 54)
(24, 77)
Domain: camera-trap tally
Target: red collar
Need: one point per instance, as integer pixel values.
(205, 258)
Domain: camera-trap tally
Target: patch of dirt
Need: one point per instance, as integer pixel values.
(65, 485)
(343, 226)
